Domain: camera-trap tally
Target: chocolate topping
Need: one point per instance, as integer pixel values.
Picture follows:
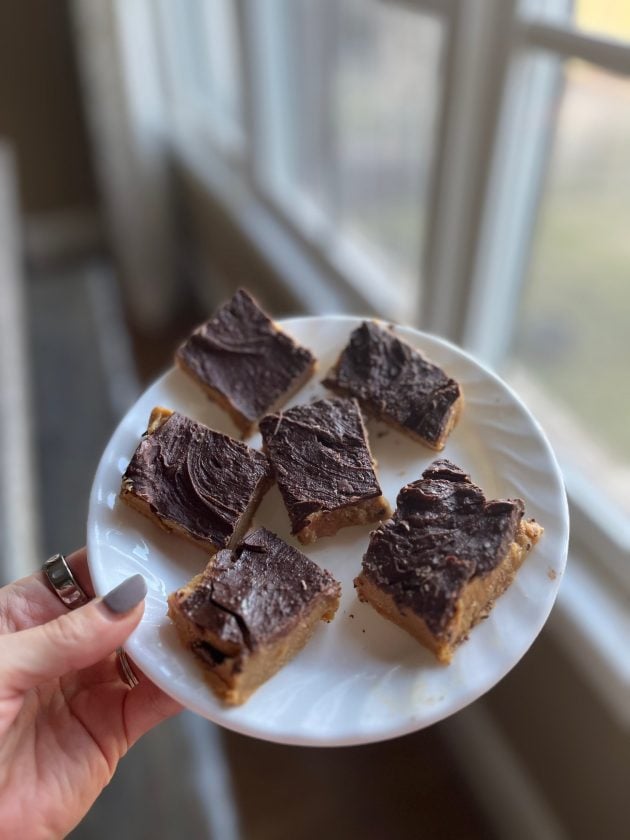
(320, 458)
(443, 534)
(251, 594)
(240, 353)
(198, 478)
(394, 381)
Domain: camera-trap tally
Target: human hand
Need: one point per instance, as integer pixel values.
(66, 716)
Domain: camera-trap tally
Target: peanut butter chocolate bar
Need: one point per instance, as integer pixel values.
(198, 483)
(324, 468)
(245, 362)
(396, 383)
(252, 610)
(438, 565)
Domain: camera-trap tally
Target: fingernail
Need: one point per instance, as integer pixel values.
(126, 595)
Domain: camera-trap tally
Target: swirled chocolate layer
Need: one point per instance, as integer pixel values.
(241, 354)
(394, 381)
(444, 532)
(252, 594)
(320, 457)
(199, 479)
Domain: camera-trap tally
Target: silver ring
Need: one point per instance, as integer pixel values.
(63, 583)
(65, 586)
(125, 669)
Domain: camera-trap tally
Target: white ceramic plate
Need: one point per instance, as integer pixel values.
(360, 679)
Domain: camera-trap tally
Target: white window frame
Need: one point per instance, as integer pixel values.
(504, 246)
(343, 270)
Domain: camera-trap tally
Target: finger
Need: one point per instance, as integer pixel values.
(74, 640)
(31, 600)
(145, 707)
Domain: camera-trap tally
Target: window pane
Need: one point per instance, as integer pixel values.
(607, 17)
(352, 92)
(222, 55)
(574, 327)
(208, 51)
(610, 18)
(385, 97)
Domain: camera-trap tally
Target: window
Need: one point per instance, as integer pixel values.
(353, 87)
(462, 165)
(338, 104)
(572, 330)
(205, 68)
(604, 17)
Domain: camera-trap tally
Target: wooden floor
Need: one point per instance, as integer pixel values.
(171, 784)
(407, 788)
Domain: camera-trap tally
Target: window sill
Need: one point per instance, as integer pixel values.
(596, 482)
(591, 621)
(322, 278)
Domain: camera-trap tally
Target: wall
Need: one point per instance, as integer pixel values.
(40, 109)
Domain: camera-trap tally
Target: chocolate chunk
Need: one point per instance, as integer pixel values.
(394, 381)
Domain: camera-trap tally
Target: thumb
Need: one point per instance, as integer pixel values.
(73, 641)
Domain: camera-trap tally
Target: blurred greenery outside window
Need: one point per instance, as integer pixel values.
(345, 106)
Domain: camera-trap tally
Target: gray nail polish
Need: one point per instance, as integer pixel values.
(126, 595)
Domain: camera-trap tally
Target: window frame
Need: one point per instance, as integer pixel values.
(345, 264)
(505, 248)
